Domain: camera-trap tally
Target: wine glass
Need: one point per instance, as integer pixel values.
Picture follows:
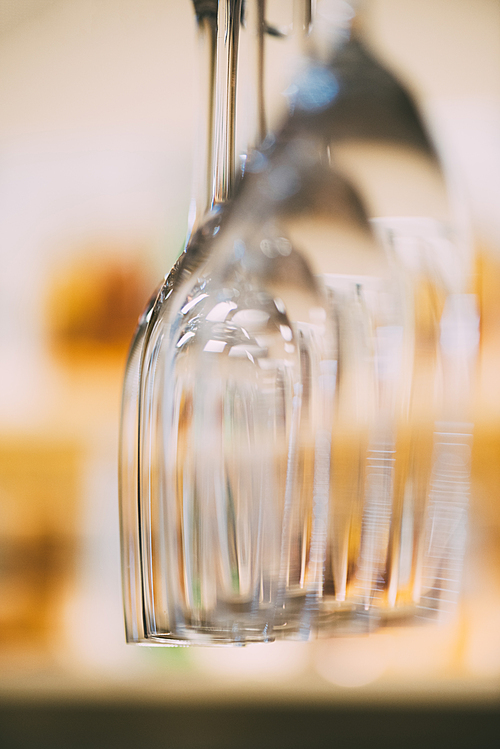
(232, 112)
(214, 116)
(242, 389)
(377, 137)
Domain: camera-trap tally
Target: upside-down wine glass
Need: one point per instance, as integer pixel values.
(232, 114)
(242, 383)
(417, 470)
(218, 34)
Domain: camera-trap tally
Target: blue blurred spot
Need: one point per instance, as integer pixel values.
(314, 89)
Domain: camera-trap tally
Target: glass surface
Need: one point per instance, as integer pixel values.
(303, 429)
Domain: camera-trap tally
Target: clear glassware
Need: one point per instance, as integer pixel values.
(376, 136)
(432, 427)
(223, 391)
(233, 112)
(299, 395)
(242, 390)
(213, 51)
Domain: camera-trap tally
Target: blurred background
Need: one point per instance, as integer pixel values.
(96, 142)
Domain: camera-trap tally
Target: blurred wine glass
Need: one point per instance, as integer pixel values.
(242, 392)
(302, 441)
(376, 136)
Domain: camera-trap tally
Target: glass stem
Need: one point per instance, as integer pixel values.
(201, 201)
(232, 101)
(302, 17)
(261, 99)
(224, 176)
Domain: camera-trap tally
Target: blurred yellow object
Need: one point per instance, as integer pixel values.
(485, 507)
(94, 302)
(39, 490)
